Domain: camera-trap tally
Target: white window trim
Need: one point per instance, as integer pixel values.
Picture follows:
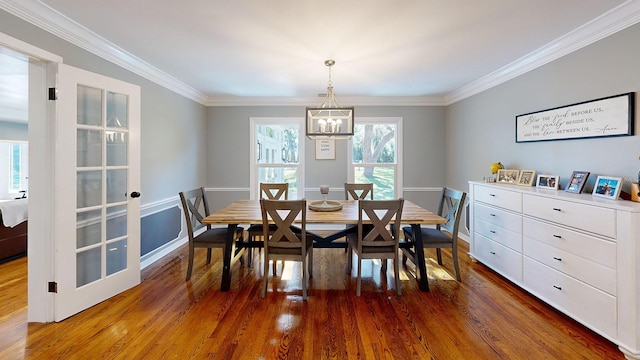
(399, 188)
(253, 173)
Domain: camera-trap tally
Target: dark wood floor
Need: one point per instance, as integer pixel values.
(483, 317)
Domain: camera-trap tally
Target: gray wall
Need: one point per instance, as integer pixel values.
(481, 129)
(173, 127)
(13, 131)
(228, 150)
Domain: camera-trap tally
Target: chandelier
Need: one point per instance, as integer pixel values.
(329, 120)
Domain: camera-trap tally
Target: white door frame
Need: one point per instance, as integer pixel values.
(40, 246)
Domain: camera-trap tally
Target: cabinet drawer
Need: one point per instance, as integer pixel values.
(591, 248)
(500, 258)
(596, 275)
(510, 200)
(498, 217)
(585, 217)
(590, 306)
(500, 235)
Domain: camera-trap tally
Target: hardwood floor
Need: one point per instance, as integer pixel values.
(483, 317)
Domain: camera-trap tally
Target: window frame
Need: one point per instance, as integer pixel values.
(398, 169)
(254, 186)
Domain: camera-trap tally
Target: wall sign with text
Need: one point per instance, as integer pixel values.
(610, 116)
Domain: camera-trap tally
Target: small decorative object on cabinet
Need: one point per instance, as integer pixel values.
(577, 181)
(607, 187)
(573, 251)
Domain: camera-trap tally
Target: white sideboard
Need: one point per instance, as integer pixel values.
(578, 253)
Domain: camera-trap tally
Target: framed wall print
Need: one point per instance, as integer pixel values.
(526, 177)
(508, 176)
(577, 181)
(607, 187)
(548, 181)
(326, 149)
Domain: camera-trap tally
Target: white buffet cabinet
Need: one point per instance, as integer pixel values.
(578, 253)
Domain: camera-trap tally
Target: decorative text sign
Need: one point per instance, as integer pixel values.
(611, 116)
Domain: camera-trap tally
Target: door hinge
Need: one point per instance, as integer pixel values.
(53, 94)
(53, 286)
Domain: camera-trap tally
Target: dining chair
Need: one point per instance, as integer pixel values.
(378, 242)
(195, 207)
(272, 191)
(353, 191)
(444, 235)
(281, 242)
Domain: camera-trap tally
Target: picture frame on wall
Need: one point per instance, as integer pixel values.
(577, 181)
(508, 176)
(527, 177)
(607, 187)
(548, 182)
(326, 149)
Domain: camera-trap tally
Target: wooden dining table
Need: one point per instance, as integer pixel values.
(248, 212)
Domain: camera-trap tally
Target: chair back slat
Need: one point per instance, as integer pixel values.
(274, 191)
(195, 207)
(451, 205)
(283, 213)
(358, 191)
(382, 213)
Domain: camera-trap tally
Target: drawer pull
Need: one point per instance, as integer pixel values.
(557, 287)
(492, 214)
(557, 209)
(557, 236)
(557, 258)
(494, 195)
(492, 252)
(492, 231)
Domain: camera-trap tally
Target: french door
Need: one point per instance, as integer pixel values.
(97, 212)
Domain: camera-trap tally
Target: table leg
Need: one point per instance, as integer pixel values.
(423, 280)
(225, 284)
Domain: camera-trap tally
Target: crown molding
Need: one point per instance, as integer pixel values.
(48, 19)
(618, 18)
(61, 26)
(314, 101)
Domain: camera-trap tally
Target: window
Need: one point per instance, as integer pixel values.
(376, 156)
(14, 158)
(277, 146)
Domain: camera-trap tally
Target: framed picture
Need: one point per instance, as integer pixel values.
(526, 177)
(548, 181)
(577, 181)
(607, 187)
(508, 176)
(326, 149)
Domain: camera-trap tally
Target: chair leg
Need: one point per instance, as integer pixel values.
(208, 255)
(265, 275)
(439, 254)
(359, 279)
(304, 278)
(396, 270)
(349, 259)
(310, 263)
(190, 266)
(454, 254)
(275, 267)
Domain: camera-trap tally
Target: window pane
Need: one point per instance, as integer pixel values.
(374, 143)
(277, 144)
(280, 175)
(382, 177)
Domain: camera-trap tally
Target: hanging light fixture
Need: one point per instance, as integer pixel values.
(329, 120)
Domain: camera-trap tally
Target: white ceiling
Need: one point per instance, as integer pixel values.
(418, 49)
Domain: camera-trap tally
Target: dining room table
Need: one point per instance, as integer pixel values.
(248, 212)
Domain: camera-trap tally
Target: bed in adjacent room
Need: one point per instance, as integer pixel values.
(13, 229)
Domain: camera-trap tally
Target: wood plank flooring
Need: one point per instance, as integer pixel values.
(483, 317)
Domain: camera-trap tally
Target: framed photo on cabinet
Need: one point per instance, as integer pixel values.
(508, 176)
(607, 187)
(527, 177)
(548, 182)
(577, 181)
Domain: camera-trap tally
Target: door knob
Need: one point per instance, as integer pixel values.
(135, 194)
